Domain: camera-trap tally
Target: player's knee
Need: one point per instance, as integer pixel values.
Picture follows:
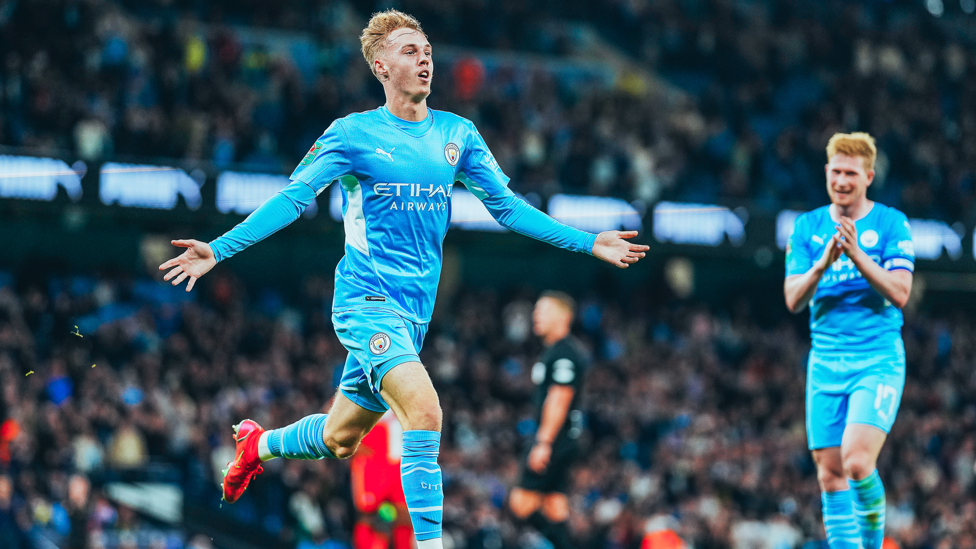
(858, 465)
(830, 479)
(344, 444)
(523, 503)
(344, 452)
(556, 508)
(425, 416)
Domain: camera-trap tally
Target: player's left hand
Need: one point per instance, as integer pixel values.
(613, 247)
(848, 244)
(539, 457)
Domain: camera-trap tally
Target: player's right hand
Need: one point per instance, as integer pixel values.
(831, 252)
(539, 457)
(195, 262)
(613, 247)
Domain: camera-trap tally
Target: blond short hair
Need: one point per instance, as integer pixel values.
(853, 144)
(380, 26)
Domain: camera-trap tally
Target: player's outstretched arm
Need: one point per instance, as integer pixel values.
(275, 214)
(799, 289)
(195, 262)
(610, 246)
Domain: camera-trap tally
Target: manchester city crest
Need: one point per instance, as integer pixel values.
(379, 343)
(869, 238)
(452, 153)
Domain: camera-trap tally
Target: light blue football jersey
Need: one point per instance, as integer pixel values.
(846, 313)
(397, 178)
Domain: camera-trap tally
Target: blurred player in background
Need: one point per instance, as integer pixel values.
(852, 261)
(541, 497)
(397, 166)
(383, 522)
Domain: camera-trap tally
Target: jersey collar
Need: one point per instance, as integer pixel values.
(413, 129)
(832, 212)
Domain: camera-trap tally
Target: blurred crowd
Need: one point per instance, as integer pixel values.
(695, 418)
(765, 83)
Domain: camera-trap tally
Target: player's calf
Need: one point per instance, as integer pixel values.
(869, 507)
(839, 520)
(300, 440)
(408, 390)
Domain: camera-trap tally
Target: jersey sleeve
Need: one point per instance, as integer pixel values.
(326, 161)
(517, 215)
(276, 213)
(899, 251)
(799, 257)
(479, 171)
(484, 178)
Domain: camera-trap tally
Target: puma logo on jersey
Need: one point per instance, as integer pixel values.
(388, 154)
(816, 239)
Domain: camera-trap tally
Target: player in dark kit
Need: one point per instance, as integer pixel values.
(541, 497)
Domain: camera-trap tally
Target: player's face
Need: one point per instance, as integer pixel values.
(847, 180)
(407, 63)
(547, 315)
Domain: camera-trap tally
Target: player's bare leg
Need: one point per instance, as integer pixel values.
(524, 502)
(346, 426)
(555, 507)
(830, 469)
(342, 429)
(860, 448)
(411, 395)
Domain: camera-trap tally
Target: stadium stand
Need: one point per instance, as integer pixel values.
(767, 82)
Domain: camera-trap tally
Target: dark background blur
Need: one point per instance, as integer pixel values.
(702, 123)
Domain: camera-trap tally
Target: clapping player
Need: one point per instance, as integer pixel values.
(852, 262)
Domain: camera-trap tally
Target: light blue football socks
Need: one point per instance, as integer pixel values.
(839, 521)
(422, 487)
(419, 472)
(303, 439)
(869, 508)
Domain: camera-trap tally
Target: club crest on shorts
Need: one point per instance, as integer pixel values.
(379, 343)
(452, 153)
